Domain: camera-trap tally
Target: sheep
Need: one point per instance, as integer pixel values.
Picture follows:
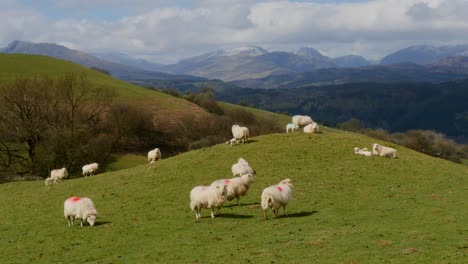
(240, 133)
(82, 208)
(363, 151)
(236, 187)
(291, 127)
(49, 181)
(232, 142)
(154, 155)
(301, 120)
(90, 169)
(241, 168)
(379, 150)
(277, 196)
(311, 128)
(212, 197)
(58, 174)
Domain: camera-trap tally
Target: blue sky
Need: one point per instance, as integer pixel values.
(166, 31)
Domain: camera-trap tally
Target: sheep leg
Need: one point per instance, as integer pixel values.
(276, 212)
(212, 213)
(238, 200)
(81, 222)
(264, 214)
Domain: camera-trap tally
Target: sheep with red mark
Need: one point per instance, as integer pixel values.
(212, 197)
(277, 196)
(241, 167)
(154, 155)
(236, 187)
(79, 208)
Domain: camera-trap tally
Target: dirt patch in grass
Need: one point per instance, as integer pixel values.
(408, 251)
(384, 243)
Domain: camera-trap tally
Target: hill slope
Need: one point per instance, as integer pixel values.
(346, 209)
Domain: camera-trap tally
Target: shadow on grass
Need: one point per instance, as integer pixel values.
(301, 214)
(242, 204)
(234, 216)
(100, 223)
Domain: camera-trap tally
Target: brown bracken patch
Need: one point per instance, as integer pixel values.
(407, 251)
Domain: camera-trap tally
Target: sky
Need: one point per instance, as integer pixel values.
(166, 31)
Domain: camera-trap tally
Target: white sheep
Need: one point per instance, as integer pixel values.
(212, 197)
(232, 142)
(154, 155)
(90, 169)
(277, 196)
(379, 150)
(240, 133)
(82, 208)
(291, 127)
(49, 181)
(241, 168)
(301, 120)
(236, 187)
(311, 128)
(363, 151)
(58, 175)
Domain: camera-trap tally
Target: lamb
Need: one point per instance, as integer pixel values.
(240, 133)
(311, 128)
(90, 169)
(232, 142)
(379, 150)
(277, 196)
(82, 208)
(236, 187)
(301, 120)
(58, 175)
(49, 181)
(154, 155)
(212, 197)
(291, 127)
(363, 151)
(241, 168)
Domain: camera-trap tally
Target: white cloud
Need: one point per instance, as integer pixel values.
(169, 33)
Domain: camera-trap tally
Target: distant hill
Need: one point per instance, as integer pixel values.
(404, 72)
(350, 61)
(120, 71)
(125, 59)
(424, 54)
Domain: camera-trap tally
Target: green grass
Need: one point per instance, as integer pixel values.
(125, 161)
(346, 209)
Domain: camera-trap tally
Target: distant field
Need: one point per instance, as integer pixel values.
(346, 209)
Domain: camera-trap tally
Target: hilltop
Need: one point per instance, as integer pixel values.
(346, 209)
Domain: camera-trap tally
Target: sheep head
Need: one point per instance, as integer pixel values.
(91, 219)
(247, 179)
(286, 182)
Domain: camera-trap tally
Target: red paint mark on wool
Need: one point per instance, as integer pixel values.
(227, 181)
(74, 199)
(279, 188)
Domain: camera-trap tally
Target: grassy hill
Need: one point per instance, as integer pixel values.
(346, 209)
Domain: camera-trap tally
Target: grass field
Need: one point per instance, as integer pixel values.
(346, 209)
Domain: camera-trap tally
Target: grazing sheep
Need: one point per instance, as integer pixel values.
(90, 169)
(82, 208)
(58, 174)
(236, 187)
(241, 168)
(212, 197)
(363, 151)
(154, 155)
(302, 120)
(240, 133)
(291, 127)
(311, 128)
(379, 150)
(49, 181)
(232, 142)
(277, 196)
